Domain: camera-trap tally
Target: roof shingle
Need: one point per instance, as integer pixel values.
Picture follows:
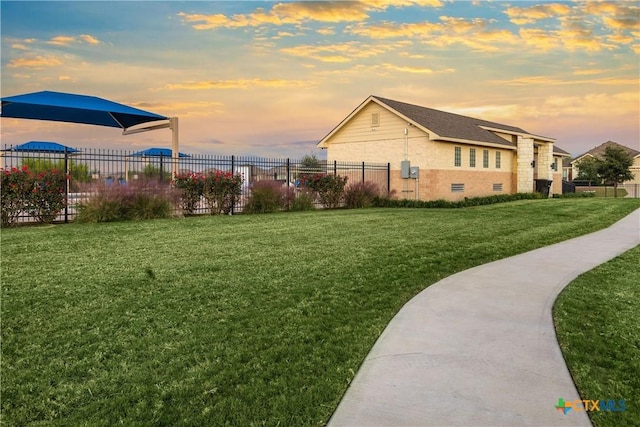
(450, 125)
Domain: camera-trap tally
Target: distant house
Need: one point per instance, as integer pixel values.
(438, 155)
(598, 153)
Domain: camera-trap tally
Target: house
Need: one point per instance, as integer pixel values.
(438, 155)
(598, 153)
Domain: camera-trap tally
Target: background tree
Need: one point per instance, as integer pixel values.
(588, 170)
(614, 167)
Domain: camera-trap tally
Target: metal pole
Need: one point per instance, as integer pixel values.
(363, 172)
(173, 125)
(66, 191)
(388, 178)
(233, 166)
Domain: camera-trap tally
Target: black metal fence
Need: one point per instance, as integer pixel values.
(90, 170)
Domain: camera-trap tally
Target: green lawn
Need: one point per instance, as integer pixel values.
(233, 320)
(598, 325)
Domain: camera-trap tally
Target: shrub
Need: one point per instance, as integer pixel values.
(42, 196)
(266, 197)
(221, 190)
(191, 186)
(127, 202)
(329, 188)
(47, 197)
(361, 194)
(14, 188)
(385, 202)
(574, 195)
(302, 201)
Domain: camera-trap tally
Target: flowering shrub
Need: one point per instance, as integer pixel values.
(146, 200)
(47, 197)
(42, 196)
(266, 197)
(329, 188)
(221, 190)
(361, 194)
(15, 186)
(191, 187)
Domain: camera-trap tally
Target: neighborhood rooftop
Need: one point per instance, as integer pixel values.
(450, 125)
(600, 149)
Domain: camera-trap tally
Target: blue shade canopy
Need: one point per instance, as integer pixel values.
(42, 147)
(68, 107)
(157, 152)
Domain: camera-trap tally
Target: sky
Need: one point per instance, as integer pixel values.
(273, 78)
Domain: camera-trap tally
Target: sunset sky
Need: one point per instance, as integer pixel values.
(272, 78)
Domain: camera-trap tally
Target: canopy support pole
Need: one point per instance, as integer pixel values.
(173, 125)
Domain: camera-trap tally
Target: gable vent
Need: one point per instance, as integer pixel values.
(375, 119)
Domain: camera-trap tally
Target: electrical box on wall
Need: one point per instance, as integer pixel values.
(405, 167)
(414, 172)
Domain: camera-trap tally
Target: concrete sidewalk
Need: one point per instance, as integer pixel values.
(479, 347)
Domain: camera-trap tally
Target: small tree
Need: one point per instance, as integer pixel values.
(588, 170)
(615, 167)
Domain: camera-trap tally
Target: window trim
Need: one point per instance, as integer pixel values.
(457, 157)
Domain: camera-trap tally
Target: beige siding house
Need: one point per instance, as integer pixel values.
(598, 152)
(438, 155)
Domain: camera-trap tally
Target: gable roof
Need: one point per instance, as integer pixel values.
(560, 151)
(598, 151)
(445, 126)
(450, 125)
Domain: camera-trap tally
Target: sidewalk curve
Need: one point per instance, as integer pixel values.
(479, 347)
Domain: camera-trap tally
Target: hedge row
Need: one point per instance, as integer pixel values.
(447, 204)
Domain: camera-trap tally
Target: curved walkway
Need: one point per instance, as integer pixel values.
(479, 347)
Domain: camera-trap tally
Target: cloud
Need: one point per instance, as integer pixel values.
(616, 15)
(338, 52)
(589, 72)
(474, 33)
(299, 12)
(62, 40)
(37, 61)
(415, 70)
(89, 39)
(326, 31)
(559, 81)
(236, 84)
(529, 15)
(387, 30)
(68, 40)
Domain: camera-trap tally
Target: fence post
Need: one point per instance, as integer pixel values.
(388, 178)
(335, 168)
(288, 172)
(233, 172)
(363, 172)
(67, 179)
